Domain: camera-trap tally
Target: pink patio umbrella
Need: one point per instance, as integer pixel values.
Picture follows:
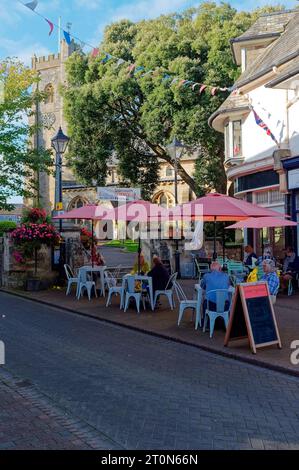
(139, 211)
(89, 212)
(221, 208)
(263, 222)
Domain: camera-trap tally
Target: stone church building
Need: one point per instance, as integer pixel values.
(50, 114)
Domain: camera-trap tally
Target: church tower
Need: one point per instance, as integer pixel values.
(50, 114)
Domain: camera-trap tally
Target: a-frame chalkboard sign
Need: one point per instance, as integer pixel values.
(252, 316)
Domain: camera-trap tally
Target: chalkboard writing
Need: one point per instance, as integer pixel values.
(252, 316)
(261, 320)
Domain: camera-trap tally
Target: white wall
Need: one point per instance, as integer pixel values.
(294, 126)
(270, 105)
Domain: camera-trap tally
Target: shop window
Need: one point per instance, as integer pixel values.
(262, 198)
(237, 139)
(233, 139)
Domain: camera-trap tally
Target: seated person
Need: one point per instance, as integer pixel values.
(214, 280)
(290, 274)
(270, 276)
(159, 274)
(266, 255)
(289, 258)
(250, 256)
(144, 266)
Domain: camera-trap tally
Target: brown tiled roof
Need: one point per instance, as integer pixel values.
(234, 102)
(268, 24)
(285, 48)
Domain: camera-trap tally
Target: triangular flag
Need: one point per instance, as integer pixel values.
(202, 89)
(174, 81)
(32, 5)
(195, 85)
(214, 91)
(95, 52)
(106, 58)
(67, 37)
(119, 62)
(51, 26)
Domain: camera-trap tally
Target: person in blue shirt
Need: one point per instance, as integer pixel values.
(214, 280)
(270, 276)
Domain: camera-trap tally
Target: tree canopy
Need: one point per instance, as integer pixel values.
(19, 160)
(134, 116)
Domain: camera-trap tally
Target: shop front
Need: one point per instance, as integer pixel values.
(291, 165)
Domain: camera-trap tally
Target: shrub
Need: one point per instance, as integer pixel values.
(6, 226)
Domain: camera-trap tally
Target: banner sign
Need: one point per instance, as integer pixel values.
(114, 194)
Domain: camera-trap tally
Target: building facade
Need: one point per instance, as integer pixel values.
(50, 113)
(259, 169)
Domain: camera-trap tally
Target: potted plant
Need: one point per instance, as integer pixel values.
(35, 231)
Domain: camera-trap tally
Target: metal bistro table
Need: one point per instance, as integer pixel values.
(96, 269)
(142, 279)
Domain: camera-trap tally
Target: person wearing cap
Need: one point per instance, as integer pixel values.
(266, 255)
(270, 276)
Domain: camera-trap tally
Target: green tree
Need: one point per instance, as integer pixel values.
(19, 160)
(135, 116)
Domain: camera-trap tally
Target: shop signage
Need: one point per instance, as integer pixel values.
(252, 316)
(116, 194)
(293, 178)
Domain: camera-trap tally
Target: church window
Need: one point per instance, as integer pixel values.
(49, 90)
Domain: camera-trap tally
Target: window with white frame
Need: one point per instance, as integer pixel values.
(233, 139)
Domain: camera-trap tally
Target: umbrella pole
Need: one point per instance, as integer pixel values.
(223, 246)
(215, 253)
(92, 244)
(262, 242)
(139, 254)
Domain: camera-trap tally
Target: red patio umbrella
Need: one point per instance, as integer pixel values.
(89, 212)
(263, 222)
(221, 208)
(139, 211)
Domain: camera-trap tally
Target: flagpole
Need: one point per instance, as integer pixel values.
(59, 34)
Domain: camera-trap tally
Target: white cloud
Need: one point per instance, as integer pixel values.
(23, 49)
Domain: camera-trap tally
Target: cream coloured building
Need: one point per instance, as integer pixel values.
(50, 114)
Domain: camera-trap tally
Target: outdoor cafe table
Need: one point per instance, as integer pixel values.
(142, 279)
(95, 269)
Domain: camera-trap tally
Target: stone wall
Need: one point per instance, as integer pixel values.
(14, 274)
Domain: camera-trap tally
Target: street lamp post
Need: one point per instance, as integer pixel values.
(59, 143)
(173, 147)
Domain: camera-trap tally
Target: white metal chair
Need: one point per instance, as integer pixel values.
(220, 298)
(131, 293)
(202, 268)
(194, 304)
(71, 278)
(113, 288)
(168, 291)
(84, 283)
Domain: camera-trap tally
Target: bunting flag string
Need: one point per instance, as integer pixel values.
(51, 26)
(133, 70)
(263, 125)
(32, 5)
(67, 37)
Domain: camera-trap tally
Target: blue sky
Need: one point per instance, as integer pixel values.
(24, 33)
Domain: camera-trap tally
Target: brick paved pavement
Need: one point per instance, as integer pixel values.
(30, 421)
(145, 392)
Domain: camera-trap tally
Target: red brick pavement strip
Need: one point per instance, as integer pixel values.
(163, 323)
(29, 421)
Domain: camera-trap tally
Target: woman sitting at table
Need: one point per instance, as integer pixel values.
(144, 266)
(159, 274)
